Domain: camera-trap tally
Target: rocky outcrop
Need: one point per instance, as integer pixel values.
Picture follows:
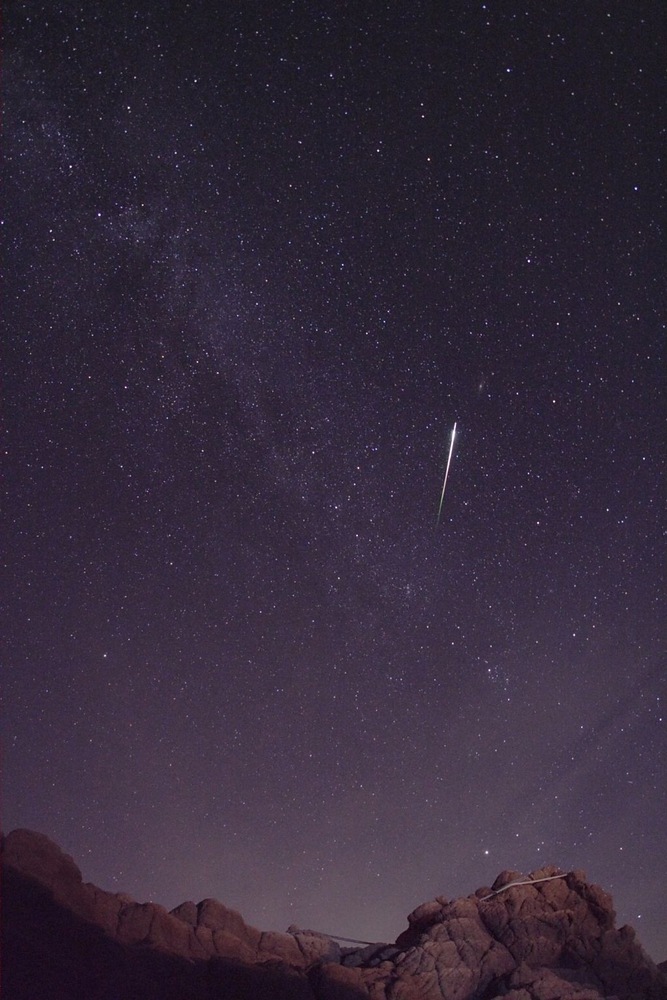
(547, 936)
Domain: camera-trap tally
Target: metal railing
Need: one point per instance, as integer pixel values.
(483, 899)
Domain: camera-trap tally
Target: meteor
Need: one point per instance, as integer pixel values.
(449, 461)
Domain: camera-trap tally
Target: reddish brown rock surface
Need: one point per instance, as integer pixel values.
(552, 939)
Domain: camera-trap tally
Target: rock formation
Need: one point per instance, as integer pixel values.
(546, 936)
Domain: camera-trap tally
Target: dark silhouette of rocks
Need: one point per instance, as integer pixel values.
(549, 936)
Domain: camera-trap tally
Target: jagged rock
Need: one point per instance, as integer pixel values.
(315, 946)
(549, 937)
(187, 912)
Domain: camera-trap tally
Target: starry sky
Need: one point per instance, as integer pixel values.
(260, 258)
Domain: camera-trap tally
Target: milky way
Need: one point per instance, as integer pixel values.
(260, 258)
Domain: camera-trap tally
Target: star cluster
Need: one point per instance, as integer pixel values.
(261, 258)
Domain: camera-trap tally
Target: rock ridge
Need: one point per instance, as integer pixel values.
(548, 935)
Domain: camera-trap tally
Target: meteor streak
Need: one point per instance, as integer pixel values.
(449, 461)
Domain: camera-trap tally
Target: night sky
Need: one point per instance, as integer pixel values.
(260, 258)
